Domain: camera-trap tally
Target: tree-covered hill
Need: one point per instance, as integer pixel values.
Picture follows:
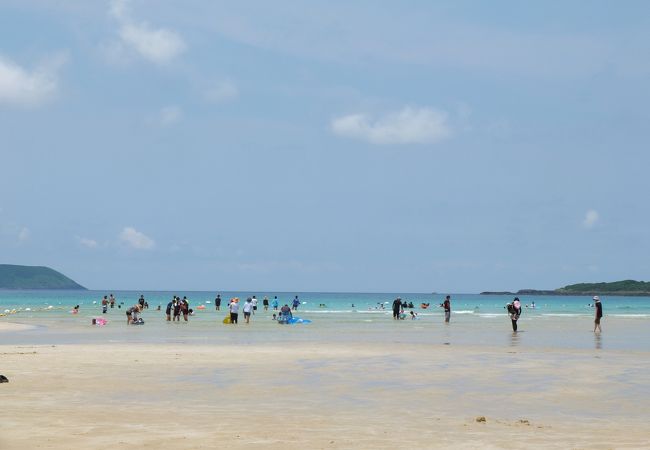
(34, 277)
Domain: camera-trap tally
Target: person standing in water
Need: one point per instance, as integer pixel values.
(275, 303)
(514, 310)
(447, 307)
(248, 308)
(295, 303)
(599, 313)
(233, 307)
(397, 305)
(217, 302)
(111, 300)
(168, 310)
(265, 303)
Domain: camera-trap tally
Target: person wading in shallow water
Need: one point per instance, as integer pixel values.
(514, 310)
(599, 313)
(447, 306)
(397, 305)
(234, 310)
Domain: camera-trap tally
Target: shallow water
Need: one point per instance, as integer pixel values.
(556, 322)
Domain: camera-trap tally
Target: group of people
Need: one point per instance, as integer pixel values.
(514, 310)
(178, 306)
(106, 301)
(250, 306)
(266, 303)
(400, 306)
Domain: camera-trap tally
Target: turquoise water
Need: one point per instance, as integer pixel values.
(477, 305)
(555, 322)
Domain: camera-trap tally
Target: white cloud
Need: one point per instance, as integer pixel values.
(24, 234)
(158, 45)
(136, 239)
(591, 218)
(88, 243)
(408, 126)
(170, 115)
(222, 92)
(22, 87)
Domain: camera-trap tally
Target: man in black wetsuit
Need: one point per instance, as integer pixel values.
(397, 305)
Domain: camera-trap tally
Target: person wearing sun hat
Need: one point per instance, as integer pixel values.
(233, 307)
(599, 313)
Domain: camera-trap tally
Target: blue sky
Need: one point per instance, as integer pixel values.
(333, 146)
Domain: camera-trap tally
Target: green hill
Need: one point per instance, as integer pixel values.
(34, 277)
(625, 287)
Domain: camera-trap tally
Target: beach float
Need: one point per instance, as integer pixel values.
(226, 320)
(292, 321)
(296, 320)
(424, 305)
(100, 321)
(200, 307)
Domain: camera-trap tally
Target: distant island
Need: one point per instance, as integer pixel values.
(34, 277)
(625, 287)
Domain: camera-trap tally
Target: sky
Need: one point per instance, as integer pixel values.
(415, 146)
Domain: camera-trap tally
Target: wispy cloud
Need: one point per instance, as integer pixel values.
(28, 88)
(221, 92)
(157, 45)
(86, 242)
(136, 239)
(591, 219)
(410, 125)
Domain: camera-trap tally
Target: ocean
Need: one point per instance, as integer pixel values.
(555, 321)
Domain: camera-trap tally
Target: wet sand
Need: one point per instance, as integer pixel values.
(11, 326)
(311, 395)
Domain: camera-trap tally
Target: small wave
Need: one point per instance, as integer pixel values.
(629, 315)
(463, 312)
(567, 315)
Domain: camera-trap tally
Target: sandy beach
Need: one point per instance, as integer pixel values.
(306, 395)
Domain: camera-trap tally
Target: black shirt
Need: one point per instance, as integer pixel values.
(599, 310)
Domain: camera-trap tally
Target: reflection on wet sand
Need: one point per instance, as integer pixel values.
(598, 341)
(514, 339)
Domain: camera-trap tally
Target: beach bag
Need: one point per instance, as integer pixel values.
(226, 319)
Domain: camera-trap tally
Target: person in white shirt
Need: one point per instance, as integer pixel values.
(254, 302)
(248, 308)
(234, 310)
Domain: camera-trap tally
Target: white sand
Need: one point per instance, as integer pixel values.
(320, 396)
